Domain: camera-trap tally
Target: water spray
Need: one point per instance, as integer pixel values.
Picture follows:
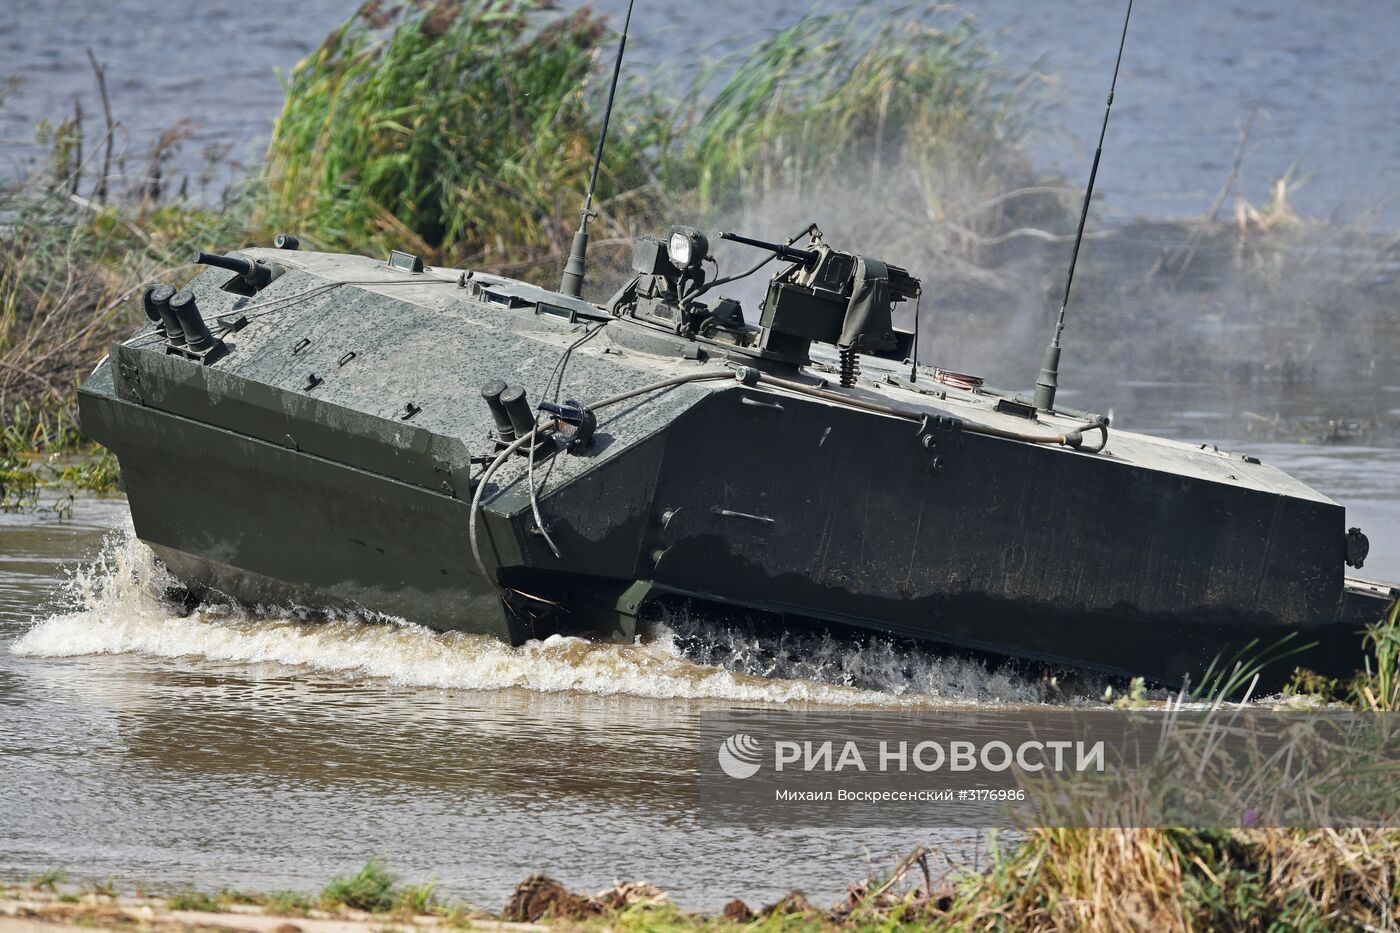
(1049, 380)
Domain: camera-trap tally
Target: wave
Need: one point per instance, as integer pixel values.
(118, 605)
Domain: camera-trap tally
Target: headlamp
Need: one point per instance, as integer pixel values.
(687, 248)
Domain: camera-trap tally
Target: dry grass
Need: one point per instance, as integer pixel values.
(1176, 879)
(70, 267)
(77, 244)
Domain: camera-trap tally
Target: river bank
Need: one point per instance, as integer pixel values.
(1066, 879)
(29, 910)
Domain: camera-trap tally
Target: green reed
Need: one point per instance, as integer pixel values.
(1377, 686)
(70, 273)
(465, 130)
(462, 130)
(843, 99)
(75, 252)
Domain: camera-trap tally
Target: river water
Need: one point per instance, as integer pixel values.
(269, 753)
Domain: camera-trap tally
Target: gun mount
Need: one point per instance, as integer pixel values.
(822, 296)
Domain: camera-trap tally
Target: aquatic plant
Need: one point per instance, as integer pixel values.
(19, 485)
(850, 103)
(95, 472)
(39, 447)
(1377, 685)
(464, 130)
(193, 900)
(35, 429)
(49, 880)
(461, 129)
(372, 888)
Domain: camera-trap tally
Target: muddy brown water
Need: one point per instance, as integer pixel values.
(267, 752)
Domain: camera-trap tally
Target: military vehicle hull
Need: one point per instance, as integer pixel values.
(334, 458)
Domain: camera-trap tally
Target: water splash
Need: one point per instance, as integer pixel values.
(893, 668)
(117, 605)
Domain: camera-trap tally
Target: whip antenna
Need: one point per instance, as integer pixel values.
(1049, 379)
(572, 282)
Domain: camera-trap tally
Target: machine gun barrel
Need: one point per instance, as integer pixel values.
(257, 273)
(786, 253)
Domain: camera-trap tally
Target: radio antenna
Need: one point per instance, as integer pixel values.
(1048, 382)
(572, 282)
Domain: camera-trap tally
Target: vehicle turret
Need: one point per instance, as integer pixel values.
(823, 295)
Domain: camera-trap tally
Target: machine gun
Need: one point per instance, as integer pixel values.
(832, 297)
(825, 295)
(784, 251)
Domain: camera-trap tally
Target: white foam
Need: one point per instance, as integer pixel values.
(116, 606)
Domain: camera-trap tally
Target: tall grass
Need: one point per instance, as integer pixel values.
(1179, 879)
(847, 101)
(1377, 686)
(69, 268)
(465, 130)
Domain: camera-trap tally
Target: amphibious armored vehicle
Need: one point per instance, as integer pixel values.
(472, 452)
(475, 453)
